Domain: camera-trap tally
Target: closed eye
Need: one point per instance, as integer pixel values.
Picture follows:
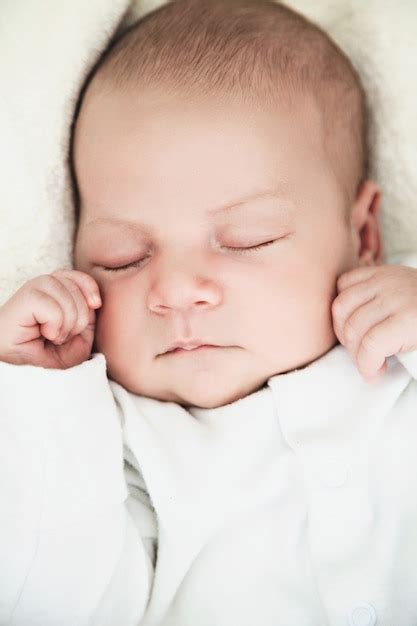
(238, 250)
(125, 267)
(252, 248)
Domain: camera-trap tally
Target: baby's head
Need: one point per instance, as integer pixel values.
(209, 128)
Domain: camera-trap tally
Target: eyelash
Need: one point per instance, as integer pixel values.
(240, 251)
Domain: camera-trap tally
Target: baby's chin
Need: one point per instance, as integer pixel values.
(213, 394)
(203, 384)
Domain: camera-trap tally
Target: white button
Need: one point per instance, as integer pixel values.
(332, 472)
(363, 615)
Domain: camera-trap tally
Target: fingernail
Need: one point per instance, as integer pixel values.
(95, 300)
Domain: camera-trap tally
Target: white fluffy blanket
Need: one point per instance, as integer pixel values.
(46, 50)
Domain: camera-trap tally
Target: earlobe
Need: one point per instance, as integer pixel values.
(367, 258)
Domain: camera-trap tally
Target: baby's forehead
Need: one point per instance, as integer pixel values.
(234, 175)
(265, 53)
(149, 105)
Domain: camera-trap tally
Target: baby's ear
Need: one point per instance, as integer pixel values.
(365, 222)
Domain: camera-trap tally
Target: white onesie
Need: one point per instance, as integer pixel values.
(295, 505)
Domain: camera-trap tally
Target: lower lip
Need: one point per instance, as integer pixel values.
(199, 350)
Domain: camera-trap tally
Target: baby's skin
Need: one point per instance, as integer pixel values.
(375, 315)
(50, 321)
(215, 221)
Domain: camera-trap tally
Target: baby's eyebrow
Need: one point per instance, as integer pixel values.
(235, 205)
(272, 193)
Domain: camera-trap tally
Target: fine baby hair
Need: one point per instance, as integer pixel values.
(262, 52)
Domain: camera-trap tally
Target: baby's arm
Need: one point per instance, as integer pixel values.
(70, 551)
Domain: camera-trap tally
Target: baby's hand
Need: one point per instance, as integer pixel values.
(50, 321)
(375, 314)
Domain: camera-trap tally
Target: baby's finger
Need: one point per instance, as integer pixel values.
(47, 312)
(53, 287)
(381, 341)
(77, 322)
(62, 290)
(347, 302)
(362, 320)
(355, 276)
(85, 283)
(371, 377)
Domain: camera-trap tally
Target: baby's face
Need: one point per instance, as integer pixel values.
(153, 178)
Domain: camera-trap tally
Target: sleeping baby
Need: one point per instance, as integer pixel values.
(210, 420)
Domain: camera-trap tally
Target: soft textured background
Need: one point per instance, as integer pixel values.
(46, 50)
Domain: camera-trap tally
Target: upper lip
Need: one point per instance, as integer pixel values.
(189, 344)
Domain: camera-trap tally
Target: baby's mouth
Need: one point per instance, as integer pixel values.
(191, 351)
